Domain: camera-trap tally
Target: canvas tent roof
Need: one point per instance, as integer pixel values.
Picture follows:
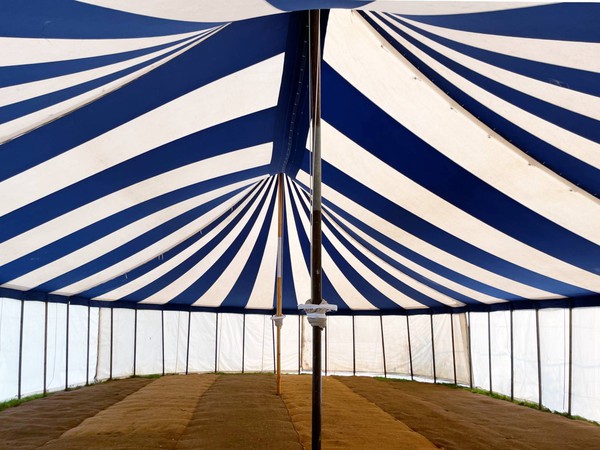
(140, 142)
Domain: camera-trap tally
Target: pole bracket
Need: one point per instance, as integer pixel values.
(317, 314)
(278, 320)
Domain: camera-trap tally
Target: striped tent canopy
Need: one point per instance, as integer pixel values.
(140, 142)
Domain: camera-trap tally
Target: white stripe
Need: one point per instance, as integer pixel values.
(21, 92)
(121, 236)
(300, 273)
(439, 279)
(196, 11)
(443, 7)
(165, 267)
(427, 250)
(21, 51)
(10, 130)
(351, 296)
(382, 286)
(416, 104)
(132, 195)
(263, 295)
(364, 167)
(578, 102)
(236, 95)
(577, 146)
(575, 55)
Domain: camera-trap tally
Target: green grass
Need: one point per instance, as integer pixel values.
(18, 401)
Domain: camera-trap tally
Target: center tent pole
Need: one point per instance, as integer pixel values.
(279, 316)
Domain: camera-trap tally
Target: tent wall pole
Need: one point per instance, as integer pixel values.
(353, 348)
(383, 346)
(111, 344)
(299, 344)
(87, 359)
(67, 346)
(410, 360)
(162, 339)
(187, 350)
(46, 347)
(325, 352)
(539, 360)
(279, 274)
(19, 393)
(453, 347)
(489, 318)
(470, 354)
(432, 347)
(243, 340)
(570, 393)
(273, 347)
(216, 341)
(512, 358)
(135, 323)
(315, 272)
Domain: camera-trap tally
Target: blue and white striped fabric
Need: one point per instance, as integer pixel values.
(140, 142)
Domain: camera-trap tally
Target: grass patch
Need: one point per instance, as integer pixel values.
(151, 376)
(18, 401)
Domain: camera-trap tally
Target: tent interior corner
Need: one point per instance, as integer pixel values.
(140, 143)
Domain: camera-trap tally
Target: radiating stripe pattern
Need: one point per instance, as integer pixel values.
(460, 154)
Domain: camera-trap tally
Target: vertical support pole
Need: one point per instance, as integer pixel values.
(453, 347)
(111, 344)
(279, 274)
(299, 344)
(46, 347)
(325, 351)
(87, 358)
(135, 324)
(353, 348)
(470, 353)
(273, 346)
(383, 346)
(410, 360)
(19, 393)
(243, 341)
(432, 347)
(489, 314)
(216, 341)
(315, 273)
(67, 346)
(570, 356)
(512, 357)
(162, 339)
(187, 350)
(539, 359)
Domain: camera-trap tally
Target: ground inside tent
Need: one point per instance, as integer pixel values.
(242, 411)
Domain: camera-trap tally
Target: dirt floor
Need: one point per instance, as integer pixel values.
(242, 411)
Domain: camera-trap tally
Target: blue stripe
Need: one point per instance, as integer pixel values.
(564, 118)
(263, 38)
(565, 165)
(70, 19)
(564, 22)
(26, 73)
(208, 279)
(22, 108)
(566, 77)
(104, 227)
(396, 146)
(289, 299)
(244, 132)
(416, 226)
(180, 269)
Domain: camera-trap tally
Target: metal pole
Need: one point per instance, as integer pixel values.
(87, 360)
(512, 358)
(216, 340)
(111, 344)
(187, 350)
(470, 354)
(46, 347)
(20, 349)
(383, 346)
(243, 341)
(273, 347)
(490, 347)
(67, 347)
(353, 348)
(162, 339)
(412, 375)
(432, 347)
(325, 351)
(570, 355)
(135, 320)
(299, 344)
(453, 346)
(315, 273)
(539, 360)
(279, 275)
